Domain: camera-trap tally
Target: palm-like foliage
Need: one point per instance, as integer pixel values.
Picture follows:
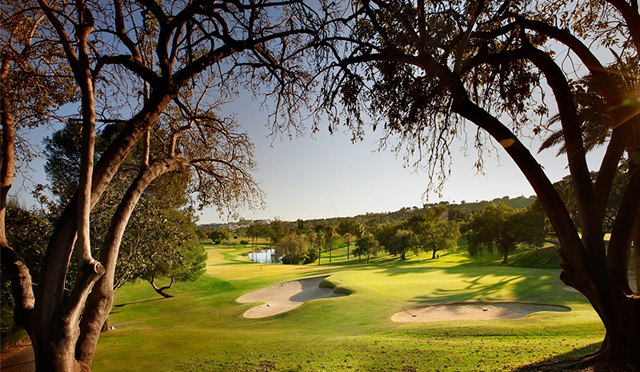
(595, 121)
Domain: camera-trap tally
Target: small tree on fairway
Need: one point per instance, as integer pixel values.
(348, 239)
(320, 240)
(186, 263)
(366, 245)
(330, 234)
(402, 242)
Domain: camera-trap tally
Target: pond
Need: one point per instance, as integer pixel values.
(264, 256)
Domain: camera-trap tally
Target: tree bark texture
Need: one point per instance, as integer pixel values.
(100, 301)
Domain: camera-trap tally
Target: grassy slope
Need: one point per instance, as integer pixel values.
(202, 328)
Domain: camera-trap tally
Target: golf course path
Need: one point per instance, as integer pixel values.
(19, 358)
(472, 311)
(287, 296)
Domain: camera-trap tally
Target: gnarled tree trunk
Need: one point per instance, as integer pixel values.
(161, 290)
(101, 300)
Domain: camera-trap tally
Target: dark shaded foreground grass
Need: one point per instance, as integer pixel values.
(202, 328)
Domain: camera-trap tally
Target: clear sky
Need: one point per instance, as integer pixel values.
(328, 176)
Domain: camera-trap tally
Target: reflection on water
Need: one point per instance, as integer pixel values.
(264, 256)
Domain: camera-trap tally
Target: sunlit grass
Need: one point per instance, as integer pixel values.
(202, 328)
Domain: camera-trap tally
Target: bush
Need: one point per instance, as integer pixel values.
(312, 255)
(244, 242)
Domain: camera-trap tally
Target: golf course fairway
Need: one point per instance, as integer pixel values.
(203, 328)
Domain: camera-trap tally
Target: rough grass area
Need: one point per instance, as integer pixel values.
(202, 327)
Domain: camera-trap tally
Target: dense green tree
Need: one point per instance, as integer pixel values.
(366, 245)
(201, 233)
(348, 226)
(458, 215)
(422, 71)
(402, 242)
(434, 232)
(312, 238)
(218, 235)
(293, 249)
(276, 230)
(320, 239)
(385, 234)
(505, 227)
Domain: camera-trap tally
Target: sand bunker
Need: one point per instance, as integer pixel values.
(472, 311)
(285, 296)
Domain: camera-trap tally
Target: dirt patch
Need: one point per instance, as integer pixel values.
(287, 296)
(18, 358)
(472, 311)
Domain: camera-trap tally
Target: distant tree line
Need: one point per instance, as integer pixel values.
(455, 211)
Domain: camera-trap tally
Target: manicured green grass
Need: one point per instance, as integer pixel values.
(202, 328)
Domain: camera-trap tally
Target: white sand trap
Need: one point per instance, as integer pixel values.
(287, 296)
(472, 311)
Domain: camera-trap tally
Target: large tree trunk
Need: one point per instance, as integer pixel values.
(584, 261)
(636, 251)
(8, 138)
(50, 296)
(101, 300)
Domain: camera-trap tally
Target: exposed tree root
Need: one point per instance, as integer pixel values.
(590, 363)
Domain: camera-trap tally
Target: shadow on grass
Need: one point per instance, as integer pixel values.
(138, 302)
(487, 282)
(569, 361)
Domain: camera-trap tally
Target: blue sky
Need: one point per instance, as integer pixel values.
(328, 176)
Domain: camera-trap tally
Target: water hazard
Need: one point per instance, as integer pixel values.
(264, 256)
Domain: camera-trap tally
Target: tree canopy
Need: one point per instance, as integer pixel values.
(366, 245)
(435, 232)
